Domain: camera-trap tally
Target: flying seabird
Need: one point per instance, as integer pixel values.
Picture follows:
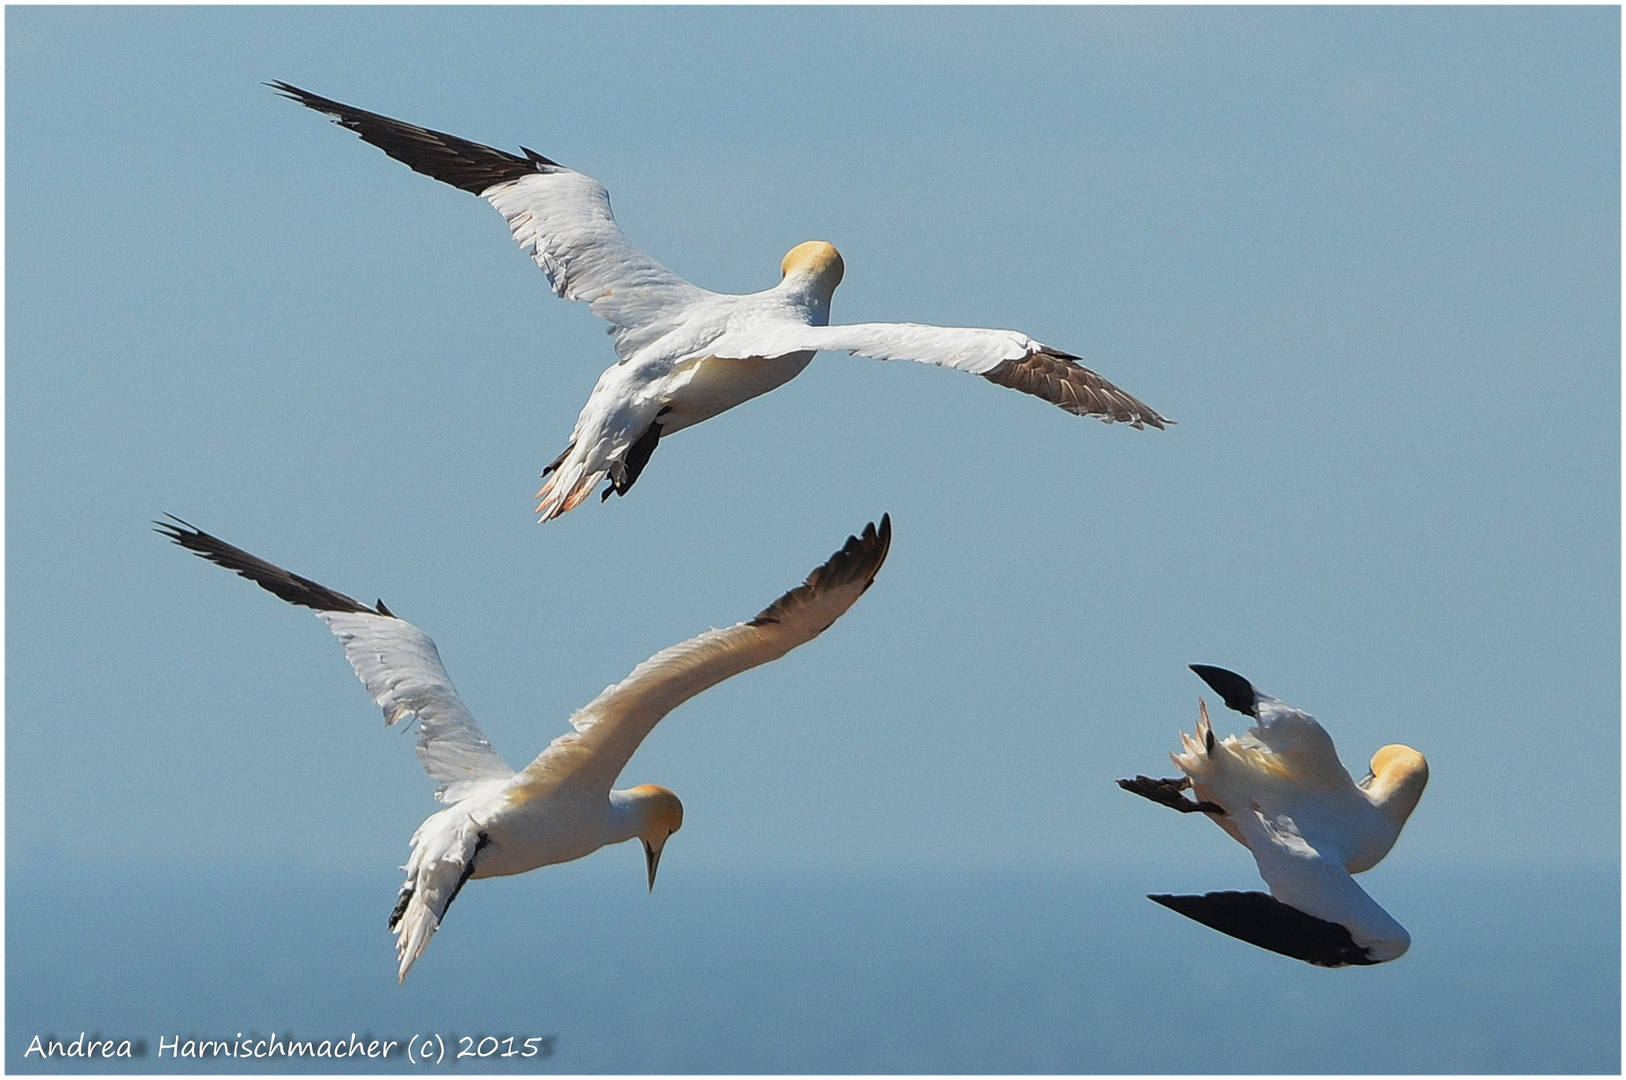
(561, 806)
(687, 354)
(1281, 792)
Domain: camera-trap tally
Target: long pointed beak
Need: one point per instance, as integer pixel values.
(652, 856)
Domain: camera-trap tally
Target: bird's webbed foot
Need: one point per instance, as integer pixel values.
(1168, 793)
(637, 457)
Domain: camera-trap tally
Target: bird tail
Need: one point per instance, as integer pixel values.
(1195, 759)
(1206, 758)
(566, 487)
(443, 854)
(1197, 752)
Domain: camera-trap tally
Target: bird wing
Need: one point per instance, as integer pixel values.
(1004, 357)
(1299, 743)
(1296, 738)
(1313, 880)
(1262, 920)
(611, 726)
(560, 217)
(401, 668)
(397, 662)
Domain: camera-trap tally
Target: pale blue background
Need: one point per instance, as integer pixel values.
(1368, 259)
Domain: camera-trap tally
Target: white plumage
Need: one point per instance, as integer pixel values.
(561, 806)
(686, 354)
(1281, 791)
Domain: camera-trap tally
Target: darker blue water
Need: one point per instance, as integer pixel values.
(757, 971)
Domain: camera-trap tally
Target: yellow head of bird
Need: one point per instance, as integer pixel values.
(817, 259)
(660, 814)
(1399, 775)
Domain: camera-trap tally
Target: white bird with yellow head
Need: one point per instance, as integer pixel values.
(562, 805)
(1282, 793)
(685, 353)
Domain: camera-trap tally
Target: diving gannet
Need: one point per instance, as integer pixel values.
(1281, 792)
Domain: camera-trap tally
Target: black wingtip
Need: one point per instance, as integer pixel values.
(861, 557)
(179, 531)
(877, 542)
(304, 97)
(1265, 921)
(273, 579)
(471, 166)
(538, 159)
(165, 528)
(1238, 692)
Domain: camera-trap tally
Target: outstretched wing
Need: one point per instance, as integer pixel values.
(1315, 882)
(610, 727)
(397, 662)
(1000, 356)
(401, 668)
(560, 217)
(1270, 924)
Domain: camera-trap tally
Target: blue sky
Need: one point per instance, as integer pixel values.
(1367, 258)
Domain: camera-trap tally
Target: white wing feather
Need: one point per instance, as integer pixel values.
(610, 727)
(559, 216)
(1299, 741)
(562, 219)
(401, 668)
(966, 348)
(1315, 881)
(1005, 357)
(395, 660)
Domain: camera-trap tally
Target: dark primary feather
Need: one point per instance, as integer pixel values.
(1061, 380)
(1238, 692)
(859, 557)
(1265, 921)
(273, 579)
(463, 164)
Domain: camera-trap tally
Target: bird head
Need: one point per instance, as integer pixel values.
(1399, 775)
(659, 814)
(817, 260)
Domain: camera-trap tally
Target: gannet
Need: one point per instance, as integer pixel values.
(686, 354)
(561, 806)
(1281, 792)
